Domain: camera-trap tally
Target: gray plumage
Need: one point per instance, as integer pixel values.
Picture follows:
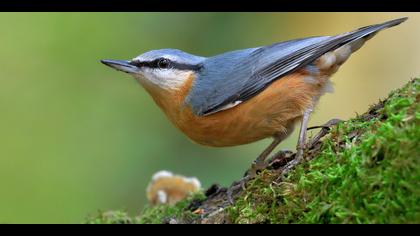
(175, 55)
(240, 75)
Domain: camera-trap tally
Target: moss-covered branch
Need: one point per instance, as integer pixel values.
(365, 170)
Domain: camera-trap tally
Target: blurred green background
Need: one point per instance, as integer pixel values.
(76, 136)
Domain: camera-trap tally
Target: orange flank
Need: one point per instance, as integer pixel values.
(273, 112)
(306, 64)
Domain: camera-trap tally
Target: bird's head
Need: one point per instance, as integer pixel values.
(168, 69)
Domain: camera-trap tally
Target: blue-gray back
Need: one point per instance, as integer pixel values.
(240, 75)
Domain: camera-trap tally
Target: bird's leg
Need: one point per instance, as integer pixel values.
(260, 162)
(302, 134)
(301, 141)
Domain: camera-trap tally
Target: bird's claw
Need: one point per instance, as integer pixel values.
(256, 167)
(299, 155)
(237, 185)
(281, 156)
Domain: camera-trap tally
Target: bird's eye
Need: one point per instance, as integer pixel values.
(163, 63)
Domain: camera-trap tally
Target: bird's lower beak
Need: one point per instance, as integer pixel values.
(121, 65)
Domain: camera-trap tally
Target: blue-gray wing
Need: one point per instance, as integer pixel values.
(239, 75)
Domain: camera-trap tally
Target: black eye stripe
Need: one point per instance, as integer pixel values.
(164, 63)
(158, 63)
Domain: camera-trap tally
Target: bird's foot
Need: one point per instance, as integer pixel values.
(279, 158)
(235, 187)
(291, 164)
(256, 167)
(325, 128)
(282, 161)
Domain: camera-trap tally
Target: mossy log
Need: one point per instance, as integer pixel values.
(364, 170)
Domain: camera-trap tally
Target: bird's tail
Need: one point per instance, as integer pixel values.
(357, 37)
(364, 31)
(337, 49)
(343, 45)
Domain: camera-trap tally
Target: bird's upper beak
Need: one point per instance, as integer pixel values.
(121, 65)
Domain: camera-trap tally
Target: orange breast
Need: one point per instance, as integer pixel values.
(274, 111)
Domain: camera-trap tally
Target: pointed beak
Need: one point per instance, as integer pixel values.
(121, 65)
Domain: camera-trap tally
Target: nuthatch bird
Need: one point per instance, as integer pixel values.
(242, 96)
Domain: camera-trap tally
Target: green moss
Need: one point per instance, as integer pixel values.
(368, 171)
(112, 217)
(180, 212)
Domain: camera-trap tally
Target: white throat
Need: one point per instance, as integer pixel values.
(169, 79)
